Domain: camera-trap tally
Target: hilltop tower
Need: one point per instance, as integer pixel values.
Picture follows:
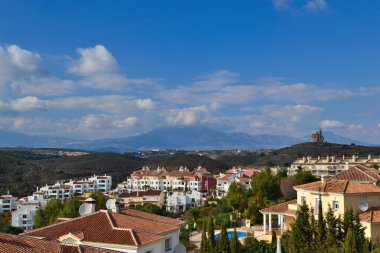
(317, 137)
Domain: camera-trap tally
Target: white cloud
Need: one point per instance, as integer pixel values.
(215, 80)
(100, 70)
(315, 5)
(378, 125)
(127, 122)
(27, 104)
(185, 116)
(336, 124)
(300, 5)
(17, 63)
(332, 124)
(93, 60)
(145, 104)
(355, 126)
(281, 4)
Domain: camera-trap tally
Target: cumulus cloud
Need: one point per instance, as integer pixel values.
(332, 124)
(17, 63)
(145, 104)
(336, 124)
(27, 104)
(100, 70)
(93, 61)
(127, 122)
(185, 116)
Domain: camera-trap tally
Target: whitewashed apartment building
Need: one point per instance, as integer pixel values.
(330, 165)
(8, 203)
(23, 216)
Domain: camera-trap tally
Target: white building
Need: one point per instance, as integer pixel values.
(58, 191)
(8, 203)
(125, 231)
(179, 201)
(91, 184)
(23, 216)
(330, 165)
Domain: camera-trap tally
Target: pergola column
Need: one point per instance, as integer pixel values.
(265, 223)
(270, 222)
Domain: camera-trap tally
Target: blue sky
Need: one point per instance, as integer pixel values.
(94, 69)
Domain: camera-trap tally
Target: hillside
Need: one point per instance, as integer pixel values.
(23, 169)
(285, 156)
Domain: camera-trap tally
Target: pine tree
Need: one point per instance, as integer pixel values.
(211, 243)
(301, 231)
(332, 232)
(203, 248)
(349, 245)
(39, 219)
(222, 244)
(235, 243)
(321, 223)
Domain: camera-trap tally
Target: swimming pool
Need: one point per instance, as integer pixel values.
(240, 234)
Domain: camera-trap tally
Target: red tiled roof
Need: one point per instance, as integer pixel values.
(359, 173)
(279, 208)
(371, 215)
(139, 224)
(98, 227)
(224, 177)
(152, 217)
(339, 186)
(140, 194)
(23, 244)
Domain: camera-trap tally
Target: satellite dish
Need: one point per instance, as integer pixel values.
(110, 204)
(85, 209)
(180, 249)
(363, 205)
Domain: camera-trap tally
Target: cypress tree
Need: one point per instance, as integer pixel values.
(203, 248)
(349, 245)
(366, 246)
(211, 243)
(314, 231)
(359, 232)
(222, 244)
(301, 231)
(348, 221)
(332, 232)
(321, 223)
(235, 243)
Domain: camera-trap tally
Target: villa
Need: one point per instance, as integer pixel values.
(340, 195)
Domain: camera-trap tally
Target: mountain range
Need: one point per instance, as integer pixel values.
(184, 138)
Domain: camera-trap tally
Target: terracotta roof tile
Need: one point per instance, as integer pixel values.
(93, 225)
(371, 215)
(152, 217)
(339, 186)
(140, 194)
(359, 173)
(279, 208)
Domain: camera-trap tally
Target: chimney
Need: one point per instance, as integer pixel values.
(323, 179)
(353, 158)
(92, 203)
(369, 157)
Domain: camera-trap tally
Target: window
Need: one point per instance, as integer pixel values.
(24, 216)
(316, 205)
(335, 205)
(167, 244)
(303, 200)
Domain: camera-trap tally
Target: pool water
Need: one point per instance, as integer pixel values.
(230, 234)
